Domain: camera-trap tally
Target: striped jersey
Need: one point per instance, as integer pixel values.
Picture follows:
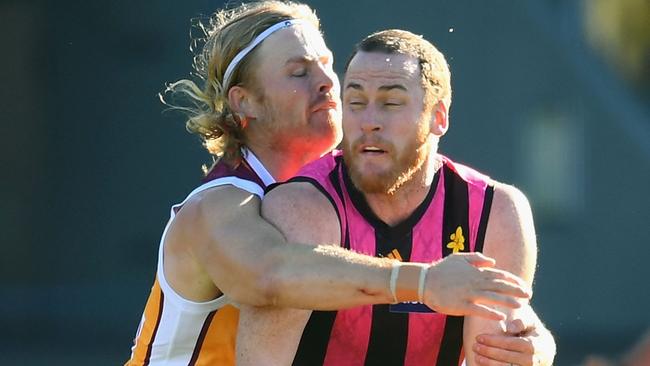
(175, 331)
(452, 218)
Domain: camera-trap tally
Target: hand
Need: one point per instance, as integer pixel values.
(466, 284)
(526, 342)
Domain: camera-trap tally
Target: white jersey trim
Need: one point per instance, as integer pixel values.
(246, 185)
(258, 167)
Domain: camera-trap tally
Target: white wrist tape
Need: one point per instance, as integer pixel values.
(393, 280)
(423, 277)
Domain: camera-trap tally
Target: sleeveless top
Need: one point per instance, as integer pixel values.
(176, 331)
(452, 218)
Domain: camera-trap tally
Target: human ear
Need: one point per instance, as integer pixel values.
(439, 119)
(241, 102)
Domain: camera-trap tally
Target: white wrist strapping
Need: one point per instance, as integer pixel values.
(394, 272)
(423, 277)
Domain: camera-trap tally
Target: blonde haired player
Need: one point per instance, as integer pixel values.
(270, 104)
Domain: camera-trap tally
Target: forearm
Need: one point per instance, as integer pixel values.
(324, 278)
(305, 273)
(249, 260)
(473, 326)
(526, 341)
(510, 240)
(269, 336)
(547, 350)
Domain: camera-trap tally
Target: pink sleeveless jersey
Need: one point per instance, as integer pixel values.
(452, 218)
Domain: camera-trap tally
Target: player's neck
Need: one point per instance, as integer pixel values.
(397, 207)
(281, 164)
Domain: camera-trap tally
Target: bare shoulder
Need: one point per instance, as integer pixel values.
(215, 210)
(296, 195)
(302, 213)
(201, 251)
(510, 236)
(220, 200)
(510, 204)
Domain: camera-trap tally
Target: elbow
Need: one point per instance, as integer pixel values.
(268, 288)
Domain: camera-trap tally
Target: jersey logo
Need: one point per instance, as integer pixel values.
(394, 254)
(409, 307)
(457, 242)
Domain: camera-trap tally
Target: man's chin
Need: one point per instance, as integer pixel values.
(327, 127)
(325, 117)
(370, 182)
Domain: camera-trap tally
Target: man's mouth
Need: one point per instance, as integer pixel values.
(374, 150)
(327, 105)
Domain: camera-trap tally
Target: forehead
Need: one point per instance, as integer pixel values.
(376, 68)
(296, 41)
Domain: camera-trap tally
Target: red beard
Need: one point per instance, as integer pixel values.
(403, 164)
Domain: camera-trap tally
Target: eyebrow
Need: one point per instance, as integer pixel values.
(392, 86)
(307, 59)
(354, 86)
(299, 59)
(389, 87)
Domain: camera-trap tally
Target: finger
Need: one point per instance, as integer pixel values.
(477, 259)
(497, 356)
(499, 274)
(517, 344)
(484, 311)
(486, 361)
(495, 298)
(524, 321)
(506, 288)
(516, 326)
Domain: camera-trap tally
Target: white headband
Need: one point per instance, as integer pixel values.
(262, 36)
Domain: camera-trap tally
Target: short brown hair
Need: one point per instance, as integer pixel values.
(436, 77)
(226, 33)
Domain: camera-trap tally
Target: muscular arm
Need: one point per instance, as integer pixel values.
(270, 335)
(304, 215)
(510, 240)
(224, 238)
(218, 243)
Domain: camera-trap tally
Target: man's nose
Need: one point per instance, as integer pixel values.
(326, 80)
(370, 121)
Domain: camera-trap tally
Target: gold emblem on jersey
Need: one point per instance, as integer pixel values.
(394, 254)
(457, 242)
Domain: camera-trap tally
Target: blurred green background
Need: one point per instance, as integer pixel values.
(551, 96)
